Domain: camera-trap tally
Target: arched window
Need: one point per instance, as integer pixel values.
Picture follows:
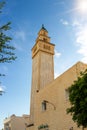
(44, 106)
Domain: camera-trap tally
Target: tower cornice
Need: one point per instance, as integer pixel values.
(42, 41)
(44, 47)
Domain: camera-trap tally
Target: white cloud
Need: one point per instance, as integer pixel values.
(2, 89)
(20, 35)
(81, 40)
(18, 47)
(76, 23)
(19, 38)
(57, 54)
(64, 22)
(56, 74)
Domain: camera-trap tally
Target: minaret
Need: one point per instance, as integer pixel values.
(42, 65)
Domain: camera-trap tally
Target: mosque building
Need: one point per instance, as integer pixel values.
(49, 96)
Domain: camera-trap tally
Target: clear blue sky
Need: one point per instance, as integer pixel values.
(67, 26)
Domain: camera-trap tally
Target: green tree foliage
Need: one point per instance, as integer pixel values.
(6, 50)
(78, 100)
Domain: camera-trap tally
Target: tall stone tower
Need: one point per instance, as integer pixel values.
(42, 65)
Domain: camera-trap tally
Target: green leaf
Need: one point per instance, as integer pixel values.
(78, 100)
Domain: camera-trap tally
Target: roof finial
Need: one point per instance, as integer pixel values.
(43, 27)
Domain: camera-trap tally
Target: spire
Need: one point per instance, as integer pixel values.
(44, 28)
